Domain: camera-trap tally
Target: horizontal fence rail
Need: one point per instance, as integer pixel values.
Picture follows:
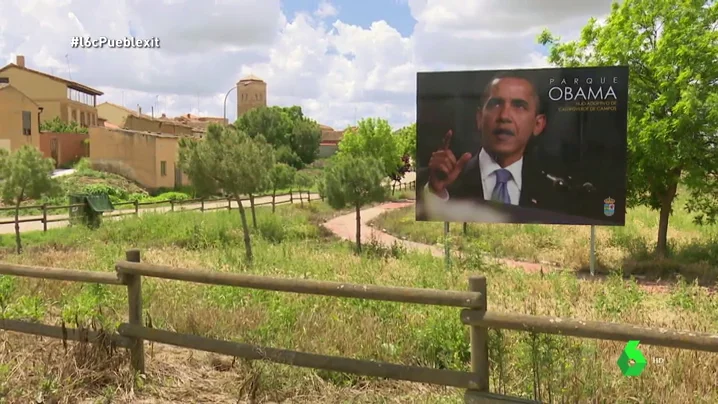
(63, 333)
(59, 274)
(175, 205)
(451, 378)
(132, 334)
(695, 341)
(432, 297)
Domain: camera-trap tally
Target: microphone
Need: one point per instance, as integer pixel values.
(557, 182)
(588, 187)
(568, 185)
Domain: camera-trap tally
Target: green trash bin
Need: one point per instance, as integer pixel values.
(90, 214)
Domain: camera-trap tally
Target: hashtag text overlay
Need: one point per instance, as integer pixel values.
(105, 42)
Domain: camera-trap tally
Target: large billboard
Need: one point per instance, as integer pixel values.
(523, 146)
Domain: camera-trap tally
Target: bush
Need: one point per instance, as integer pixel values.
(83, 165)
(272, 229)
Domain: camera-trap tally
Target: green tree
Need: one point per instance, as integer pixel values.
(295, 137)
(355, 182)
(373, 137)
(671, 48)
(407, 140)
(229, 160)
(25, 174)
(58, 126)
(305, 139)
(281, 176)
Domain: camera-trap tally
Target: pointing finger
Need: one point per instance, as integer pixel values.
(447, 139)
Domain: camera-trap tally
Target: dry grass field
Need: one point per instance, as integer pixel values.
(292, 244)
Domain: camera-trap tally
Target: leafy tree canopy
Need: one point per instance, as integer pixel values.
(671, 48)
(282, 176)
(25, 174)
(353, 181)
(287, 129)
(226, 159)
(373, 138)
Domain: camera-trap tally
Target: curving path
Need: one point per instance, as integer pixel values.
(344, 227)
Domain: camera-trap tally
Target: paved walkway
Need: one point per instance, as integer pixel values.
(9, 228)
(345, 228)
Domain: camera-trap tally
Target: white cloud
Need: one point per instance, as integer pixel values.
(326, 9)
(337, 72)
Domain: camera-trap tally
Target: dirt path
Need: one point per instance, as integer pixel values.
(345, 227)
(37, 225)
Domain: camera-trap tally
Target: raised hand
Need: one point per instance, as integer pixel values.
(444, 168)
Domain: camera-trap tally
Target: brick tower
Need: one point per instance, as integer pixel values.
(251, 93)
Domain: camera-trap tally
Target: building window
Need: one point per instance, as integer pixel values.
(82, 118)
(4, 79)
(74, 115)
(26, 123)
(163, 168)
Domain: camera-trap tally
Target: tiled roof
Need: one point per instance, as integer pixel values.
(72, 84)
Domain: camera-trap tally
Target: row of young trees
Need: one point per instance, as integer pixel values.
(229, 160)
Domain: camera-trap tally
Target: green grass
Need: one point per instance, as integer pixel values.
(291, 244)
(693, 248)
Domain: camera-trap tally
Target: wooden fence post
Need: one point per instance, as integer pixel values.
(172, 205)
(134, 299)
(229, 203)
(137, 208)
(479, 342)
(44, 217)
(291, 196)
(309, 198)
(201, 207)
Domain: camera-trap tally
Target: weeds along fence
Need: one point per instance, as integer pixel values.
(475, 314)
(201, 204)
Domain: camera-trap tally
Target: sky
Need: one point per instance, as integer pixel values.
(340, 60)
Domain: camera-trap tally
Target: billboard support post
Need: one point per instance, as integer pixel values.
(592, 262)
(447, 252)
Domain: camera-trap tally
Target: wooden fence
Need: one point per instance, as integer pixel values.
(175, 205)
(475, 314)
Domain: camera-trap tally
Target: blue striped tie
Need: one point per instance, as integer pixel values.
(501, 192)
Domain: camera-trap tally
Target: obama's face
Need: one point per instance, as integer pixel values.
(509, 118)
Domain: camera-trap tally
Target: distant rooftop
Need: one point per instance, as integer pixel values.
(251, 77)
(72, 84)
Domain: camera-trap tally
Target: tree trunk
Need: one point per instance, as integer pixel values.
(18, 241)
(245, 228)
(465, 228)
(665, 215)
(254, 215)
(274, 197)
(358, 210)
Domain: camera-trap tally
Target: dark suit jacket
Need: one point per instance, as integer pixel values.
(537, 191)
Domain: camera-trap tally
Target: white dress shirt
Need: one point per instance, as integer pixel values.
(488, 168)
